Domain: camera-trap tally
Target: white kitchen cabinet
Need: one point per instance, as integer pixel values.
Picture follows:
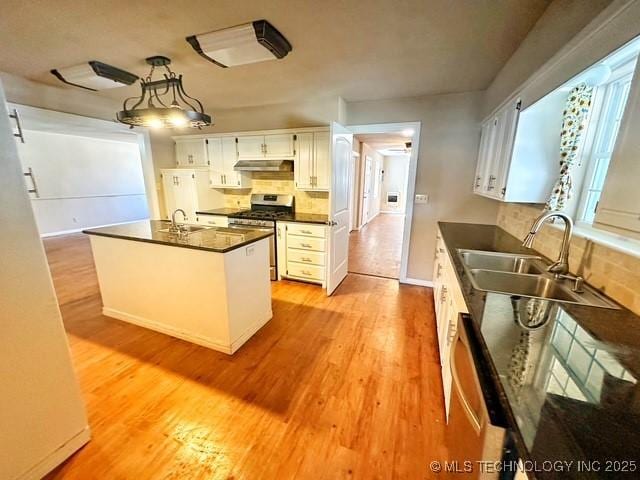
(258, 147)
(189, 190)
(302, 251)
(448, 303)
(495, 152)
(191, 152)
(223, 156)
(312, 162)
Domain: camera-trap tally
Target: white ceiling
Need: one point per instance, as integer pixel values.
(386, 143)
(360, 50)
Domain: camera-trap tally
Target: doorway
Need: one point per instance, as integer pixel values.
(382, 185)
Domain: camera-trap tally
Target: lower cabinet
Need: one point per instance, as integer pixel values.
(302, 251)
(448, 303)
(212, 220)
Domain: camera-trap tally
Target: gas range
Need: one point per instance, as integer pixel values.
(265, 210)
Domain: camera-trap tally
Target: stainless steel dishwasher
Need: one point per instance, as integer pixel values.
(472, 440)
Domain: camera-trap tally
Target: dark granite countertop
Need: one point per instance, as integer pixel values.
(216, 239)
(306, 218)
(225, 212)
(569, 387)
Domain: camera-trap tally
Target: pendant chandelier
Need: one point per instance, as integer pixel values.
(163, 103)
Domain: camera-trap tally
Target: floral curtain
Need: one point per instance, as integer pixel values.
(574, 119)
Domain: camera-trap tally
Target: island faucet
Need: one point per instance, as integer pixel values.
(560, 268)
(175, 228)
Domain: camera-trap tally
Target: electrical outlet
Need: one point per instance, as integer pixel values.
(422, 198)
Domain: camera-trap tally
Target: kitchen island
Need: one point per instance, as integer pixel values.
(210, 286)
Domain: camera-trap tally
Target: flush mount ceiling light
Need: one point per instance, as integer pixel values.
(248, 43)
(94, 76)
(167, 104)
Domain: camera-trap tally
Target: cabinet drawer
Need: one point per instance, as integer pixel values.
(310, 258)
(306, 230)
(306, 243)
(311, 272)
(213, 220)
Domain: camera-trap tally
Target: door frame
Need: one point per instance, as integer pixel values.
(411, 180)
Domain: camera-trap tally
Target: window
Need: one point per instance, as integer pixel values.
(613, 96)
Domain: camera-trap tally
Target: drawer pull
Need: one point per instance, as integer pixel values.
(306, 272)
(306, 259)
(308, 232)
(306, 245)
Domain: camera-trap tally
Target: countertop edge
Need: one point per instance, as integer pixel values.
(170, 244)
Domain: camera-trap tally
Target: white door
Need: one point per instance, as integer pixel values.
(232, 178)
(366, 190)
(216, 162)
(251, 147)
(321, 161)
(338, 251)
(278, 146)
(303, 170)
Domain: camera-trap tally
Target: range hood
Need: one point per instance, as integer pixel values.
(264, 166)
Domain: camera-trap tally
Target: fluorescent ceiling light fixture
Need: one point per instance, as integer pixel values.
(94, 76)
(248, 43)
(408, 132)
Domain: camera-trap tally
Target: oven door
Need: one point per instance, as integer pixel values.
(471, 437)
(272, 245)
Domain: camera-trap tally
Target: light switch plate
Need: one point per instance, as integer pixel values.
(422, 198)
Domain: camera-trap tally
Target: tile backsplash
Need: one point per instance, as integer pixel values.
(614, 272)
(277, 182)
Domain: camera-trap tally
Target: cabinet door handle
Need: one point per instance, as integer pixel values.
(190, 158)
(490, 185)
(34, 186)
(443, 294)
(16, 117)
(439, 270)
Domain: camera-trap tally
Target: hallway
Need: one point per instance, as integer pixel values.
(377, 247)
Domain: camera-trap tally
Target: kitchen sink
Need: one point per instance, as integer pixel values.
(526, 276)
(503, 262)
(185, 229)
(518, 284)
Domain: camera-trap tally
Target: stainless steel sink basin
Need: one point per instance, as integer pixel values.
(503, 262)
(518, 284)
(526, 276)
(185, 229)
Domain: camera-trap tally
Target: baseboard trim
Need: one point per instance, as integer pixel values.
(187, 336)
(417, 281)
(58, 456)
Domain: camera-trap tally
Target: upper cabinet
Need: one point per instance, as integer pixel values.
(257, 147)
(311, 170)
(223, 154)
(191, 152)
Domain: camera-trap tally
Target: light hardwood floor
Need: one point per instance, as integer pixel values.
(376, 248)
(340, 387)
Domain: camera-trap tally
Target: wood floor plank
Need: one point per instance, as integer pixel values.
(376, 248)
(336, 387)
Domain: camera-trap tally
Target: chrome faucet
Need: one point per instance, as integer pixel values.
(175, 228)
(560, 268)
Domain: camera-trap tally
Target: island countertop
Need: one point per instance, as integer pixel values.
(569, 385)
(213, 239)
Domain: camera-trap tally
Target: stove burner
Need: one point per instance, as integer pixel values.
(262, 214)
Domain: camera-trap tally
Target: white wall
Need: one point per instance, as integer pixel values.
(560, 22)
(396, 170)
(446, 164)
(82, 181)
(42, 415)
